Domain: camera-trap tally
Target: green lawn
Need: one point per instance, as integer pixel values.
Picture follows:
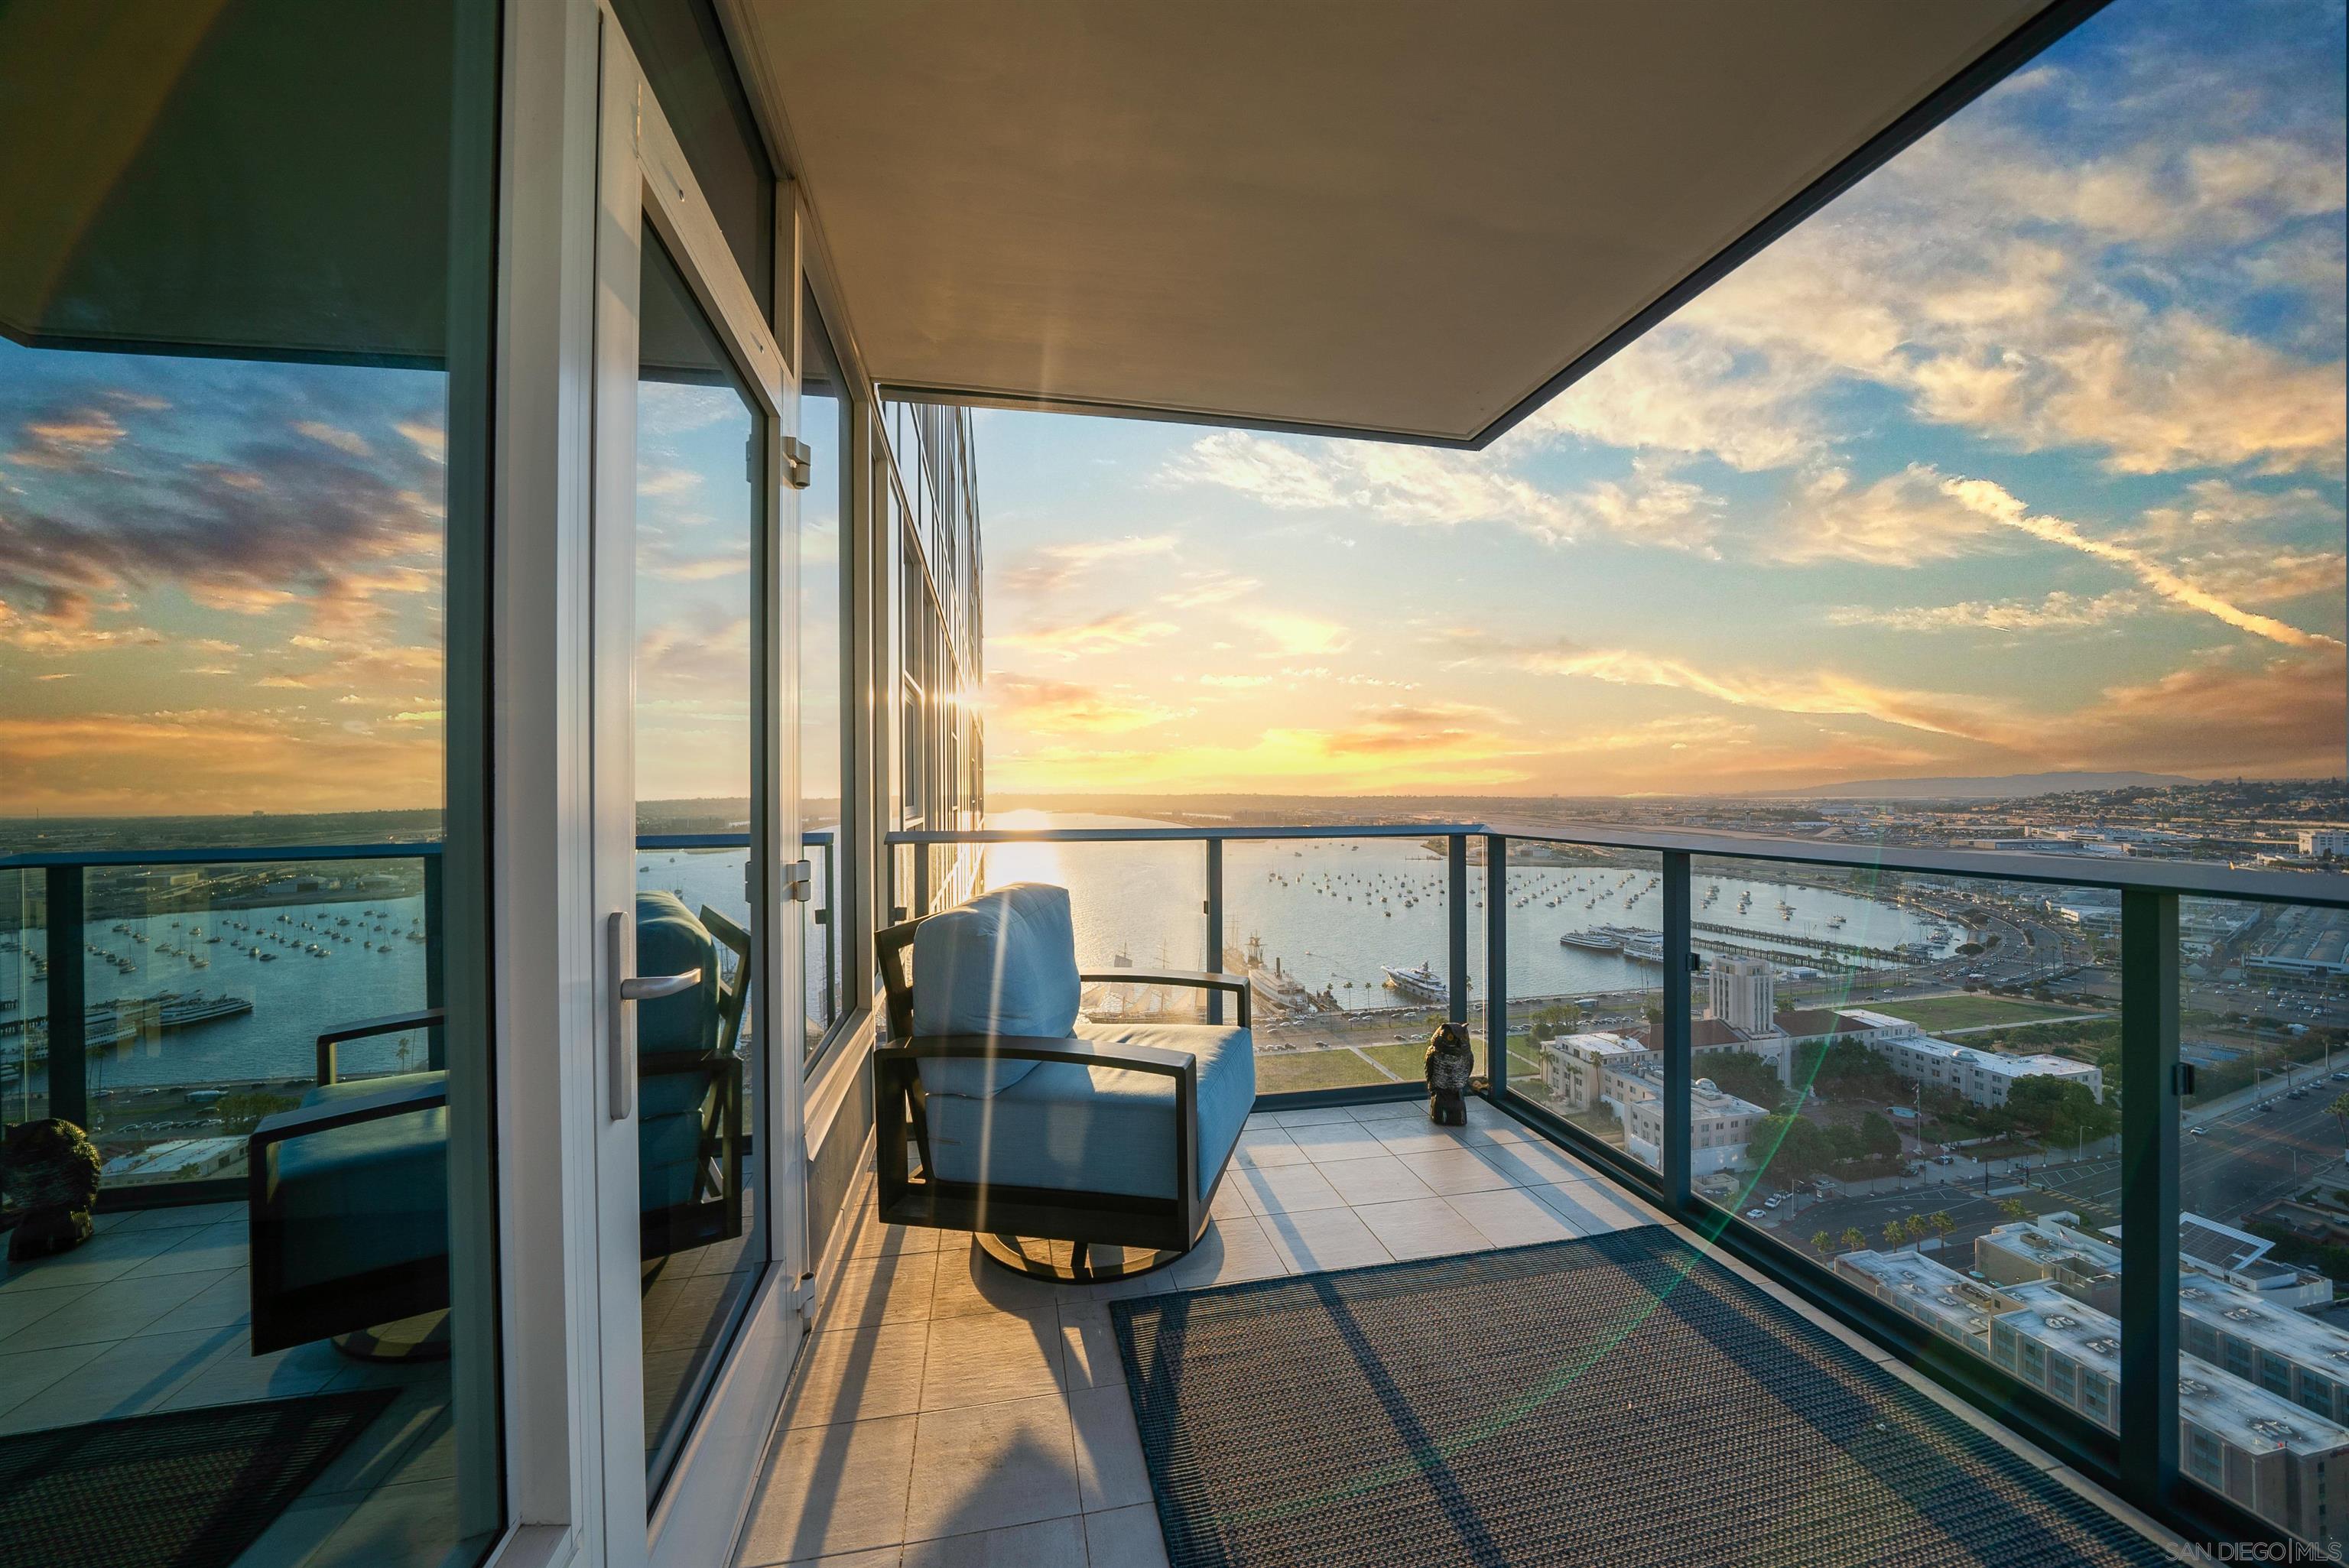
(1284, 1073)
(1964, 1011)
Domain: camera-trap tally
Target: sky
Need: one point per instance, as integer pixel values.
(2026, 454)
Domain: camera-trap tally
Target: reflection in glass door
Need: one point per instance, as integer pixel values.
(700, 1088)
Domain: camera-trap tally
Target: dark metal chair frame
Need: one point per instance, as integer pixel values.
(1001, 1216)
(283, 1317)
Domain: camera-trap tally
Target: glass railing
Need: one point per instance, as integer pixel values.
(204, 977)
(1356, 940)
(2073, 1133)
(166, 1001)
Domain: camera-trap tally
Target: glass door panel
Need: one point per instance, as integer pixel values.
(701, 460)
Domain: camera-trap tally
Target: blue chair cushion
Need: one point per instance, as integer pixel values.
(1004, 963)
(1076, 1128)
(670, 941)
(354, 1198)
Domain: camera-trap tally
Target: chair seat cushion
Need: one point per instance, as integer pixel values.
(1099, 1130)
(368, 1196)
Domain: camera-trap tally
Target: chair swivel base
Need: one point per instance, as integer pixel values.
(424, 1337)
(1036, 1260)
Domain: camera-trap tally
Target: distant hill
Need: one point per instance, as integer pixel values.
(2006, 787)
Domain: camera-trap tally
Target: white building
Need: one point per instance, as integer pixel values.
(1983, 1076)
(1741, 993)
(1573, 1066)
(1721, 1125)
(2315, 841)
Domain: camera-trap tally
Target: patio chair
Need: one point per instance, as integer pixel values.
(1035, 1125)
(347, 1196)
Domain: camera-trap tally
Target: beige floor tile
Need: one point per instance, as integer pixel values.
(127, 1377)
(1420, 1137)
(25, 1375)
(1125, 1538)
(1591, 1208)
(1422, 1228)
(875, 1240)
(1282, 1189)
(969, 1285)
(1048, 1543)
(1381, 1178)
(225, 1303)
(983, 1360)
(1109, 1469)
(236, 1374)
(990, 1466)
(1268, 1146)
(858, 1374)
(829, 1490)
(1390, 1111)
(879, 1557)
(1347, 1139)
(1318, 1240)
(20, 1309)
(1089, 1353)
(1316, 1116)
(880, 1290)
(114, 1310)
(102, 1258)
(1534, 1164)
(1231, 1250)
(1446, 1171)
(209, 1250)
(1513, 1217)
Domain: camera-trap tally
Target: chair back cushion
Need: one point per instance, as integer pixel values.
(1003, 963)
(670, 941)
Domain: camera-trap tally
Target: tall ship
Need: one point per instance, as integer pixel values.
(1419, 983)
(1274, 988)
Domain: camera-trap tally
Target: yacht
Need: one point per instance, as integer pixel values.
(1419, 983)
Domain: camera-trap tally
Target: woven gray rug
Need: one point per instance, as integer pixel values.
(1619, 1400)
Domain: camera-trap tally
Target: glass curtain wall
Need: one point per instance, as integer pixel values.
(244, 309)
(825, 412)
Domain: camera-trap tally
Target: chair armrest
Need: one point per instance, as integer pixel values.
(1200, 979)
(373, 1027)
(309, 1119)
(1046, 1048)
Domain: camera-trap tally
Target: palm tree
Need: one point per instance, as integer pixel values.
(1852, 1239)
(1942, 1224)
(2339, 1109)
(1894, 1235)
(2013, 1210)
(1821, 1243)
(1915, 1226)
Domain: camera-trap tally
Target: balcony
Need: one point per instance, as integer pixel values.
(946, 1407)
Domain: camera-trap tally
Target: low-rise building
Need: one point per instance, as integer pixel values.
(2274, 1458)
(1983, 1076)
(1721, 1125)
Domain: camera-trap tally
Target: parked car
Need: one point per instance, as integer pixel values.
(2196, 1131)
(1753, 1213)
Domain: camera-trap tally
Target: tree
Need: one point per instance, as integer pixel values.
(2339, 1109)
(1791, 1148)
(1914, 1227)
(1821, 1241)
(1745, 1074)
(2059, 1109)
(1895, 1233)
(2013, 1209)
(1879, 1140)
(1941, 1223)
(240, 1112)
(1851, 1238)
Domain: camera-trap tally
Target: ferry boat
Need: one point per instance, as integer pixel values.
(1419, 983)
(1604, 940)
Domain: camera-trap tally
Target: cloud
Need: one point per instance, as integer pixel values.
(1049, 706)
(1051, 568)
(1286, 633)
(65, 439)
(1237, 683)
(1101, 633)
(1423, 487)
(2059, 611)
(1203, 589)
(1995, 503)
(334, 435)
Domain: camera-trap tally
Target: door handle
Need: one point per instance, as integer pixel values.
(620, 1058)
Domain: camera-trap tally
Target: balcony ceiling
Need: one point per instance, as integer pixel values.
(1403, 218)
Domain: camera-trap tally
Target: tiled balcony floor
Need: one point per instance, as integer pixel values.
(150, 1315)
(947, 1414)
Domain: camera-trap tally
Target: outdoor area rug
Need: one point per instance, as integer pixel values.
(180, 1489)
(1616, 1399)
